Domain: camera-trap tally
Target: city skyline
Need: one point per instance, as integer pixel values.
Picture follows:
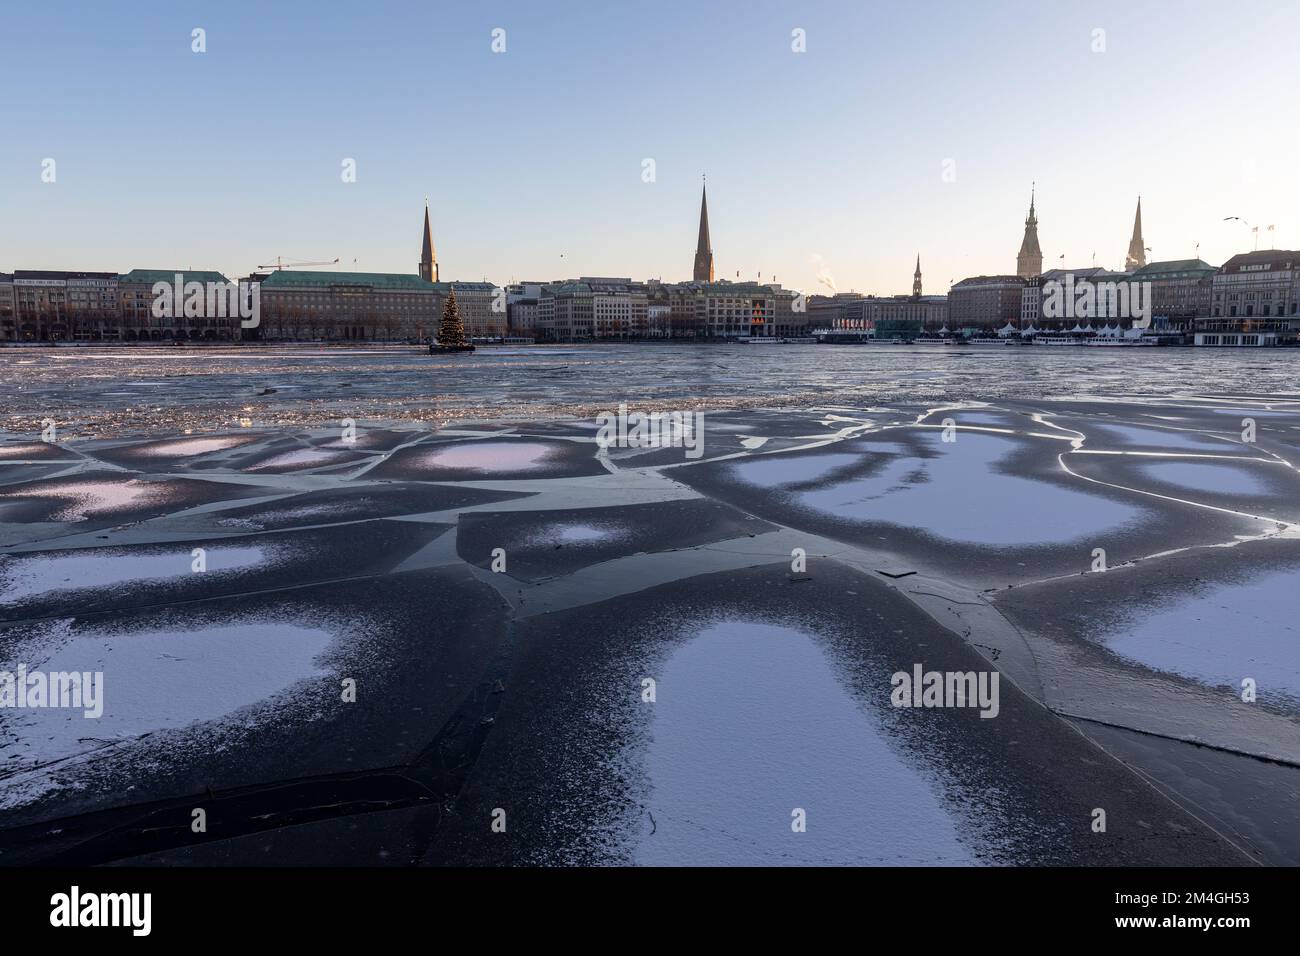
(849, 183)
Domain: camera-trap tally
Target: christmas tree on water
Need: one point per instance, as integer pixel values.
(452, 330)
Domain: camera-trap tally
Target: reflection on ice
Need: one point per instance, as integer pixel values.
(491, 456)
(88, 499)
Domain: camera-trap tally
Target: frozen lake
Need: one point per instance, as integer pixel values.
(172, 388)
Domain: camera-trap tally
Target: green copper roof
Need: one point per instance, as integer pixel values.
(295, 279)
(1175, 265)
(150, 276)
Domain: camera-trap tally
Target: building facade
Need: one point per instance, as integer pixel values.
(139, 324)
(1257, 285)
(985, 302)
(349, 307)
(1181, 290)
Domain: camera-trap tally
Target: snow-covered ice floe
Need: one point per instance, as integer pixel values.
(749, 724)
(958, 494)
(152, 680)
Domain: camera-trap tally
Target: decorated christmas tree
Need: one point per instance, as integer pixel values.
(452, 330)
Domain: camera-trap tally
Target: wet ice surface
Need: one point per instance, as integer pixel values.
(751, 723)
(152, 680)
(958, 494)
(27, 576)
(1250, 629)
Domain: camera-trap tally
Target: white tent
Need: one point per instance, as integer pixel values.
(1078, 329)
(1006, 330)
(1025, 333)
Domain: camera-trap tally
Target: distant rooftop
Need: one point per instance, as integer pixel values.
(150, 276)
(301, 279)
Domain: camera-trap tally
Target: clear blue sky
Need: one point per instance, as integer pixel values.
(532, 158)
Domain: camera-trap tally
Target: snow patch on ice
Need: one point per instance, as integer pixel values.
(491, 456)
(1219, 636)
(957, 494)
(750, 723)
(26, 576)
(1204, 476)
(153, 680)
(1155, 438)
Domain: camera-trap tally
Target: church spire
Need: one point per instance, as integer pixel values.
(1137, 252)
(916, 278)
(704, 248)
(1029, 262)
(428, 264)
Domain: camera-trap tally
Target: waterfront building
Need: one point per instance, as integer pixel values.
(137, 323)
(52, 306)
(1180, 291)
(1257, 285)
(985, 302)
(8, 328)
(350, 306)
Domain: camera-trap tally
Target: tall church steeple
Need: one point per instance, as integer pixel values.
(916, 278)
(1137, 250)
(704, 249)
(428, 264)
(1029, 262)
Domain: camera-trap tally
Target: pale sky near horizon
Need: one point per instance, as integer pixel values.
(828, 160)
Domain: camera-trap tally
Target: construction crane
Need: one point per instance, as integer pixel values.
(281, 264)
